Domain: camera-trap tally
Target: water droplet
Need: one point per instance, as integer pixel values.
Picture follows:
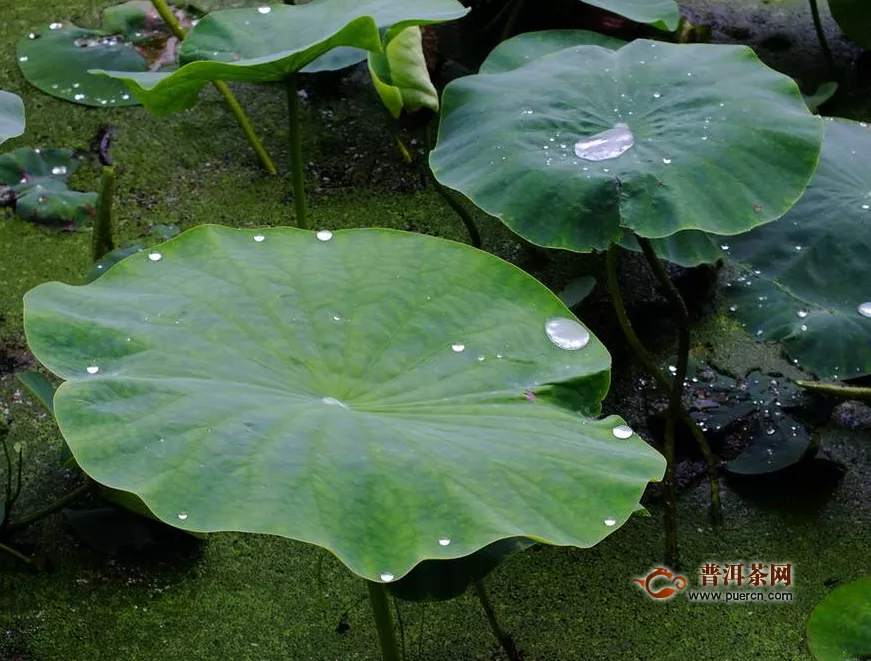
(606, 145)
(324, 235)
(259, 238)
(444, 541)
(527, 112)
(865, 309)
(656, 95)
(610, 522)
(155, 256)
(33, 35)
(622, 432)
(770, 432)
(59, 170)
(79, 97)
(93, 369)
(667, 161)
(23, 58)
(724, 247)
(801, 314)
(567, 333)
(386, 576)
(458, 347)
(480, 359)
(334, 402)
(672, 369)
(803, 327)
(733, 308)
(125, 97)
(182, 515)
(264, 9)
(55, 26)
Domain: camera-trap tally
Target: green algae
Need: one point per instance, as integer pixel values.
(252, 597)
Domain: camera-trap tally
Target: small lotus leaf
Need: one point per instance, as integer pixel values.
(401, 76)
(804, 280)
(11, 116)
(578, 146)
(664, 14)
(268, 43)
(133, 38)
(350, 390)
(839, 628)
(38, 180)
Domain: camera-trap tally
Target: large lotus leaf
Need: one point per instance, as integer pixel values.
(133, 38)
(577, 146)
(664, 14)
(349, 390)
(38, 181)
(520, 50)
(804, 279)
(400, 74)
(839, 629)
(11, 116)
(268, 43)
(854, 18)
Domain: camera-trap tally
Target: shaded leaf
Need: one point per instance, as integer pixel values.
(11, 116)
(577, 290)
(839, 629)
(578, 146)
(38, 180)
(351, 392)
(267, 44)
(803, 281)
(40, 387)
(664, 14)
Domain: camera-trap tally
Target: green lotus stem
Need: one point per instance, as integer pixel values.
(459, 209)
(59, 504)
(380, 600)
(19, 556)
(101, 240)
(297, 173)
(505, 640)
(846, 392)
(821, 35)
(662, 381)
(244, 123)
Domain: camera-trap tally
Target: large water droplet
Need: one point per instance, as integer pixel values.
(605, 145)
(802, 313)
(259, 238)
(386, 576)
(458, 347)
(155, 256)
(264, 9)
(865, 309)
(444, 541)
(59, 170)
(567, 333)
(93, 369)
(324, 235)
(182, 516)
(610, 522)
(622, 431)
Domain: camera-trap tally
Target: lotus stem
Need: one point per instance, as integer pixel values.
(244, 123)
(505, 640)
(662, 381)
(380, 600)
(297, 173)
(59, 504)
(824, 42)
(101, 239)
(459, 209)
(846, 392)
(20, 556)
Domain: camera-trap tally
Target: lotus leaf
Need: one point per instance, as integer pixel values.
(401, 76)
(349, 390)
(11, 116)
(839, 629)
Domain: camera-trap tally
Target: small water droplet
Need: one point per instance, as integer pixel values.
(23, 58)
(264, 9)
(725, 246)
(55, 26)
(672, 369)
(610, 522)
(803, 327)
(802, 313)
(770, 432)
(865, 309)
(59, 170)
(386, 576)
(733, 308)
(458, 347)
(93, 369)
(33, 35)
(125, 97)
(259, 238)
(656, 95)
(444, 541)
(155, 256)
(622, 431)
(324, 235)
(605, 145)
(182, 515)
(667, 161)
(332, 401)
(567, 333)
(79, 97)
